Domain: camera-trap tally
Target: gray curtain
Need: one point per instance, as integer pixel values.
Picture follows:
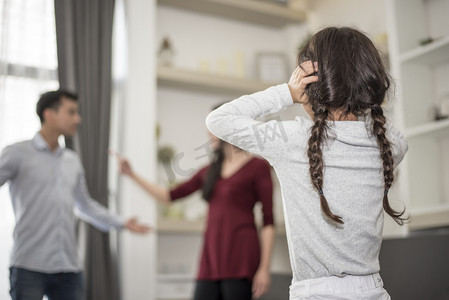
(84, 40)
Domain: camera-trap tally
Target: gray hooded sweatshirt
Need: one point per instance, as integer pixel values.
(353, 182)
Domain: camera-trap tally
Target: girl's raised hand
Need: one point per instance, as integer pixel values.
(300, 78)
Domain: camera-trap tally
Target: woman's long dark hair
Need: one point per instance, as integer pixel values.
(214, 172)
(351, 80)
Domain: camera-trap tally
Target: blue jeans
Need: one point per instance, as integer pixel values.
(30, 285)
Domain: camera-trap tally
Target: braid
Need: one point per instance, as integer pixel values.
(315, 154)
(387, 160)
(214, 172)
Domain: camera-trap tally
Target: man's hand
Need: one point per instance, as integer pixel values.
(261, 283)
(299, 79)
(134, 226)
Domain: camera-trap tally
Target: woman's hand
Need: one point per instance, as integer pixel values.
(299, 79)
(261, 283)
(159, 193)
(125, 167)
(123, 164)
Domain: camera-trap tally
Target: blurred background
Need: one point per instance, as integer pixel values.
(170, 62)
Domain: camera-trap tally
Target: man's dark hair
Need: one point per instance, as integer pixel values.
(52, 100)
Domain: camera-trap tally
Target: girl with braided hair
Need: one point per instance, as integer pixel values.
(335, 170)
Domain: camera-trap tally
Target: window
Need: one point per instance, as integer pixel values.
(28, 67)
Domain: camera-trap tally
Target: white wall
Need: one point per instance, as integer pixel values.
(138, 253)
(196, 37)
(181, 113)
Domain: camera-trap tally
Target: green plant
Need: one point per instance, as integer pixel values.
(165, 154)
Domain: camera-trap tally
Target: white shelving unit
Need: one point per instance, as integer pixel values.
(428, 54)
(422, 73)
(173, 225)
(434, 129)
(165, 225)
(271, 17)
(251, 11)
(192, 80)
(175, 286)
(430, 217)
(257, 12)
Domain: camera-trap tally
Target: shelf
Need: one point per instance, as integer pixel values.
(175, 276)
(432, 53)
(178, 78)
(258, 12)
(175, 286)
(175, 226)
(437, 216)
(179, 226)
(435, 128)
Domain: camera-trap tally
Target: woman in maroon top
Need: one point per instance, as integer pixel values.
(233, 265)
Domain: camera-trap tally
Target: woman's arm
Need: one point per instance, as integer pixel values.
(264, 190)
(161, 194)
(267, 238)
(262, 281)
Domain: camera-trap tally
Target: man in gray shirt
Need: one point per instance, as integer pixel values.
(47, 185)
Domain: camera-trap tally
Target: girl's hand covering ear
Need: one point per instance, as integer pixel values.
(300, 78)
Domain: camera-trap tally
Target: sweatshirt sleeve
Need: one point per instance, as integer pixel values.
(235, 122)
(399, 144)
(264, 187)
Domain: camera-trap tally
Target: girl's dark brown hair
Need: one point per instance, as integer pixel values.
(351, 80)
